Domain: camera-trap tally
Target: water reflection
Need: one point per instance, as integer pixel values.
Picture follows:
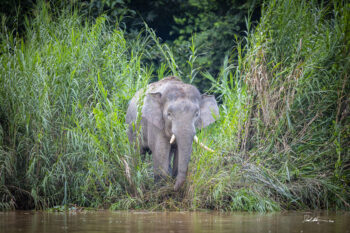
(172, 222)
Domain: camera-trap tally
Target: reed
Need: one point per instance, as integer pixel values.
(281, 142)
(284, 128)
(64, 93)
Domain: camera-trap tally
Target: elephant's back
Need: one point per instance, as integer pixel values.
(175, 85)
(163, 84)
(131, 112)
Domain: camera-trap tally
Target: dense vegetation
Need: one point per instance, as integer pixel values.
(282, 140)
(206, 30)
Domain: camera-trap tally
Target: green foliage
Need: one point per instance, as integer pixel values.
(65, 89)
(13, 12)
(114, 9)
(293, 131)
(281, 142)
(213, 28)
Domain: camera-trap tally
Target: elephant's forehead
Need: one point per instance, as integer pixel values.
(173, 89)
(173, 92)
(183, 105)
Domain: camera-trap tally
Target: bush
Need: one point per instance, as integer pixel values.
(281, 141)
(65, 90)
(286, 118)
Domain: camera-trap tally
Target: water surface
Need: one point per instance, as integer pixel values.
(154, 222)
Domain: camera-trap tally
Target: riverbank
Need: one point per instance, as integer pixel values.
(281, 142)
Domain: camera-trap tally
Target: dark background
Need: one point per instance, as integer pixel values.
(216, 26)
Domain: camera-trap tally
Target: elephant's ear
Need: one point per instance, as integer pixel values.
(152, 110)
(209, 111)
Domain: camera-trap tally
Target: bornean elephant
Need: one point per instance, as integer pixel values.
(171, 112)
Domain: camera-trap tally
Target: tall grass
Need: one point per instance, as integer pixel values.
(281, 141)
(64, 92)
(284, 132)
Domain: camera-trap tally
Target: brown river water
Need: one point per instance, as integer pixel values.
(133, 221)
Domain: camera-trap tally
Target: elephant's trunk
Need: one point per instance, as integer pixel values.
(184, 145)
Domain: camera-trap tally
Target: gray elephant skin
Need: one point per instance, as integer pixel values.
(170, 107)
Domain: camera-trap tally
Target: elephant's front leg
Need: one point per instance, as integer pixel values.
(161, 158)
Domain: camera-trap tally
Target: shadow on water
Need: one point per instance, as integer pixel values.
(133, 221)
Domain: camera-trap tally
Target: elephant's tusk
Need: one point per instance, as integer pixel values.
(172, 139)
(202, 145)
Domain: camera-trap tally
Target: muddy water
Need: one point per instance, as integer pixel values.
(107, 221)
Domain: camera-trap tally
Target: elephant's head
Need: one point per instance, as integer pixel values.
(178, 110)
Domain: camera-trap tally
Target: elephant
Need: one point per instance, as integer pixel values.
(170, 114)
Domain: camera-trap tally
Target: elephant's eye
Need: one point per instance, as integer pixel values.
(169, 114)
(197, 114)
